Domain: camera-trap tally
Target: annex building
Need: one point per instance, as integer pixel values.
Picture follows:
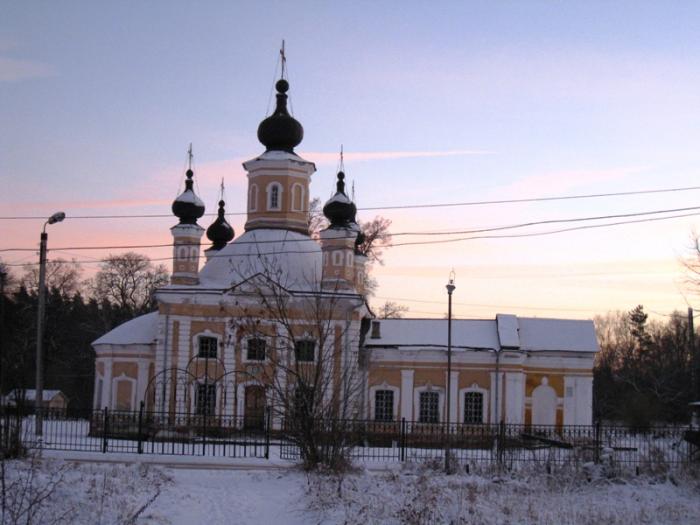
(268, 306)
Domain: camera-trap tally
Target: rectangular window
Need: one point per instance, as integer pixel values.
(304, 351)
(208, 347)
(205, 399)
(429, 407)
(256, 349)
(473, 407)
(384, 405)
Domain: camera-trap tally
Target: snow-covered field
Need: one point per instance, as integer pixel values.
(99, 493)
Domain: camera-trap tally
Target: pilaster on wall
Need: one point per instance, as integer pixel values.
(407, 394)
(454, 399)
(514, 397)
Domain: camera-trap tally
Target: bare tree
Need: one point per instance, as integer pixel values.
(391, 310)
(129, 281)
(376, 238)
(308, 342)
(61, 274)
(317, 221)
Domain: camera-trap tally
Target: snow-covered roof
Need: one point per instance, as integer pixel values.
(30, 394)
(291, 259)
(506, 331)
(140, 330)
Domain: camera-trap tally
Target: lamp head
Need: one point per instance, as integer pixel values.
(56, 217)
(451, 283)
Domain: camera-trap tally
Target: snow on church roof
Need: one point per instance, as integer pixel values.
(292, 259)
(140, 330)
(506, 331)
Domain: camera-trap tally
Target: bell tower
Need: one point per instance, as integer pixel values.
(187, 234)
(278, 180)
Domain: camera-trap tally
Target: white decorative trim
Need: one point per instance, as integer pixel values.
(134, 384)
(280, 196)
(441, 400)
(484, 405)
(384, 386)
(253, 198)
(292, 194)
(407, 394)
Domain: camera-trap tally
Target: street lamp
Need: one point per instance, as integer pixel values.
(39, 393)
(450, 288)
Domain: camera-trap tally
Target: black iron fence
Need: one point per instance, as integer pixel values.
(146, 432)
(506, 445)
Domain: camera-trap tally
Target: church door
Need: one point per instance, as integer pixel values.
(254, 414)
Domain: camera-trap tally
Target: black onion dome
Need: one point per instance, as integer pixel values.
(220, 232)
(339, 209)
(187, 206)
(280, 131)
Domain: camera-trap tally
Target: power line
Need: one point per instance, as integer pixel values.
(397, 207)
(426, 233)
(393, 245)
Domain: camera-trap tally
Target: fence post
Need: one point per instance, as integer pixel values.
(105, 429)
(402, 440)
(268, 429)
(140, 442)
(597, 441)
(501, 443)
(204, 432)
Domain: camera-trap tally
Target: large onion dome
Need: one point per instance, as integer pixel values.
(280, 131)
(220, 232)
(187, 206)
(339, 209)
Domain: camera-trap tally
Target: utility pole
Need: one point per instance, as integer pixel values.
(450, 288)
(3, 278)
(39, 391)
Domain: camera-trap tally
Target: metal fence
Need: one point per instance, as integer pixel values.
(506, 445)
(145, 432)
(509, 445)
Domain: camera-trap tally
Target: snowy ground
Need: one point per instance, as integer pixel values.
(99, 493)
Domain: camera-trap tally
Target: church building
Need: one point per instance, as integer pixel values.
(229, 334)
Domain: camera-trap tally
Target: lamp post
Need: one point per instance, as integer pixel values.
(450, 288)
(39, 393)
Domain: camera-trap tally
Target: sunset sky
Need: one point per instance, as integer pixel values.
(434, 102)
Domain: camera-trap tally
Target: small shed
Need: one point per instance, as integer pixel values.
(53, 400)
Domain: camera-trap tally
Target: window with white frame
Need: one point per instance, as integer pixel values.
(473, 407)
(256, 349)
(305, 350)
(207, 346)
(205, 399)
(384, 405)
(273, 196)
(429, 407)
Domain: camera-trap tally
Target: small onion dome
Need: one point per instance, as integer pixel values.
(220, 231)
(339, 209)
(188, 207)
(280, 131)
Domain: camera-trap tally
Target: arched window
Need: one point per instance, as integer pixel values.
(274, 196)
(337, 258)
(253, 197)
(297, 197)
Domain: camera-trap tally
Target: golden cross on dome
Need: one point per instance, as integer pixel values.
(189, 156)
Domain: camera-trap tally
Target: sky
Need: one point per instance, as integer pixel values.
(442, 102)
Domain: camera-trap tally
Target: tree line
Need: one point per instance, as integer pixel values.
(644, 370)
(78, 311)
